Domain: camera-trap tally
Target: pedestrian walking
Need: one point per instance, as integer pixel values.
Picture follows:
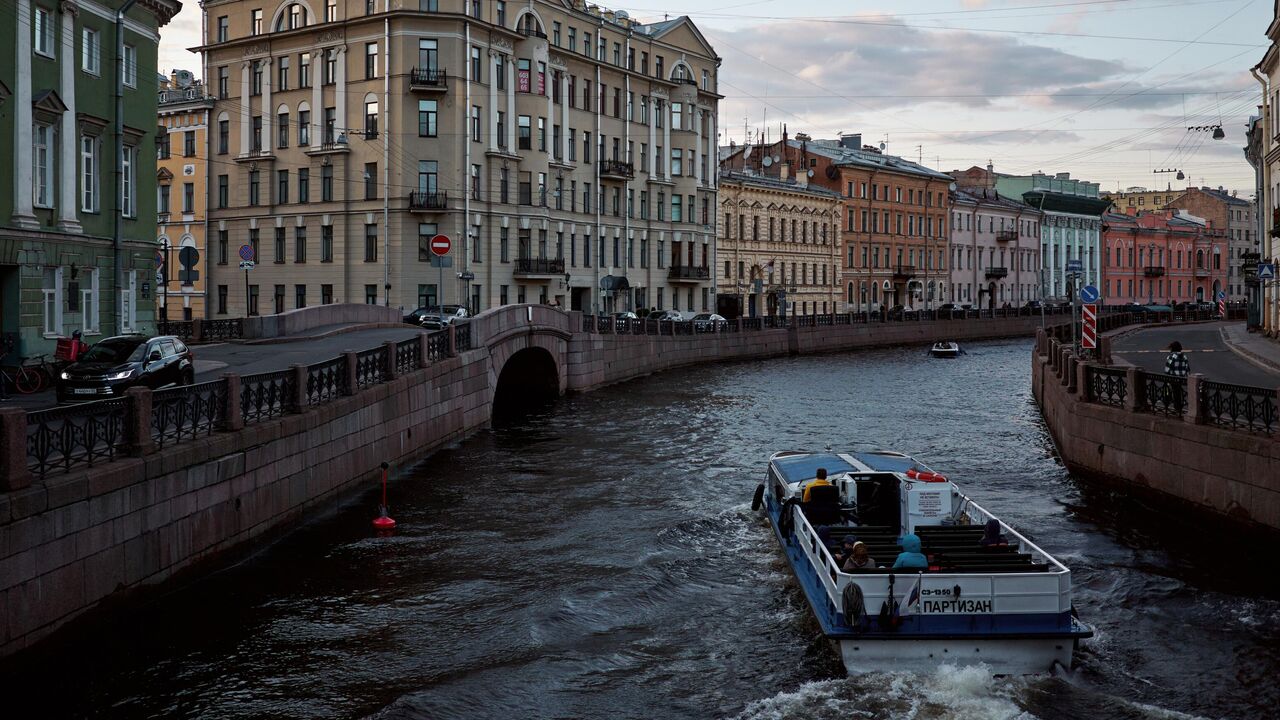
(1176, 363)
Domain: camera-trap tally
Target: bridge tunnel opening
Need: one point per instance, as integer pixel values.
(528, 383)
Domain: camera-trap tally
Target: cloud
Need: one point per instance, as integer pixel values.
(1006, 137)
(182, 32)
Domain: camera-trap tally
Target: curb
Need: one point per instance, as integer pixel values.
(1249, 355)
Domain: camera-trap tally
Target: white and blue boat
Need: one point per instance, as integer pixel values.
(1005, 606)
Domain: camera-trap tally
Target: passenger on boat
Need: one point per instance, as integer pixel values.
(820, 481)
(911, 557)
(993, 537)
(857, 558)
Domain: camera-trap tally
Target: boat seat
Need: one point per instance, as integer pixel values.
(823, 507)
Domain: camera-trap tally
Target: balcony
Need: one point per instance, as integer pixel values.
(256, 155)
(616, 170)
(1153, 271)
(428, 80)
(535, 267)
(533, 32)
(428, 201)
(904, 272)
(995, 273)
(1203, 272)
(1006, 236)
(682, 80)
(689, 273)
(330, 148)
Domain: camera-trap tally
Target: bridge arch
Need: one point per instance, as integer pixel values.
(528, 353)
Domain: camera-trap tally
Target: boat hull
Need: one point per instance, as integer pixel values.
(949, 354)
(1001, 656)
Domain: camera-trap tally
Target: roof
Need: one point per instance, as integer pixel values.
(1223, 195)
(990, 197)
(1059, 202)
(775, 183)
(848, 157)
(805, 467)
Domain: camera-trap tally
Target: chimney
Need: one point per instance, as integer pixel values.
(852, 141)
(802, 177)
(784, 170)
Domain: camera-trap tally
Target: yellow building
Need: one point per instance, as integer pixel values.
(181, 188)
(1141, 198)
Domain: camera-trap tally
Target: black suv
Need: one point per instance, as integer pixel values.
(115, 364)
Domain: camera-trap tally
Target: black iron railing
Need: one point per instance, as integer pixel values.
(438, 345)
(428, 200)
(904, 271)
(1153, 271)
(462, 336)
(428, 77)
(689, 272)
(214, 330)
(539, 266)
(188, 411)
(1006, 235)
(997, 272)
(408, 356)
(326, 381)
(64, 437)
(616, 168)
(371, 367)
(183, 329)
(1163, 394)
(1239, 406)
(1107, 386)
(267, 395)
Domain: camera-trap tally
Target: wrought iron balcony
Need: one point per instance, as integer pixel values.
(1153, 271)
(532, 32)
(1006, 236)
(429, 79)
(1203, 272)
(689, 273)
(428, 201)
(616, 170)
(685, 80)
(997, 272)
(904, 272)
(539, 266)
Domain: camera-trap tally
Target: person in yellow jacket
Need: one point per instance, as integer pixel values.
(821, 480)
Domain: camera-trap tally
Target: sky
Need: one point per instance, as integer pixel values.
(1103, 89)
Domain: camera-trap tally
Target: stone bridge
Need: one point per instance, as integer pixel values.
(102, 500)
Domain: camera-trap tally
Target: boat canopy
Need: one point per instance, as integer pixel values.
(882, 462)
(805, 467)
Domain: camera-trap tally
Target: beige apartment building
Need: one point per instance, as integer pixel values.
(181, 195)
(566, 151)
(778, 242)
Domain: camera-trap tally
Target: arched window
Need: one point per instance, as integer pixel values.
(1199, 258)
(293, 17)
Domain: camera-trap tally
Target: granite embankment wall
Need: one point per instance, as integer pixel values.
(1226, 472)
(69, 539)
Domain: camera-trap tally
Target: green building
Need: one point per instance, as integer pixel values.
(66, 193)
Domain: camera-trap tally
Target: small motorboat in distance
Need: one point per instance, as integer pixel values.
(946, 349)
(971, 590)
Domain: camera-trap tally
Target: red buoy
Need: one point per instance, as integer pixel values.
(383, 521)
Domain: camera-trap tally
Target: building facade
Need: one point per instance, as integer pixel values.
(1267, 72)
(1140, 199)
(77, 225)
(1070, 230)
(565, 150)
(1225, 211)
(1253, 151)
(182, 194)
(995, 244)
(1162, 257)
(778, 241)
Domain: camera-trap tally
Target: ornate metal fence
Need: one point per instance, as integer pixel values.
(267, 395)
(1106, 385)
(462, 336)
(1164, 394)
(1239, 406)
(63, 437)
(183, 329)
(187, 411)
(326, 381)
(217, 330)
(409, 355)
(438, 345)
(371, 367)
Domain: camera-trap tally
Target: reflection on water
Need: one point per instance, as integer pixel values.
(599, 559)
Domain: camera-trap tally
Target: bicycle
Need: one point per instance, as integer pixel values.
(31, 375)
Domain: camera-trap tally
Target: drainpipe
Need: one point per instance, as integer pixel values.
(1270, 308)
(386, 158)
(466, 172)
(599, 234)
(116, 249)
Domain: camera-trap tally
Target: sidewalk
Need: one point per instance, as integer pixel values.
(1254, 347)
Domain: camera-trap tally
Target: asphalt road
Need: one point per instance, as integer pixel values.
(1205, 348)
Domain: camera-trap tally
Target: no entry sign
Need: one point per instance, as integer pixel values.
(440, 245)
(1089, 326)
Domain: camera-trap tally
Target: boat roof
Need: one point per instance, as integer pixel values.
(796, 467)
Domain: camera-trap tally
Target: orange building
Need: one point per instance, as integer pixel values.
(182, 152)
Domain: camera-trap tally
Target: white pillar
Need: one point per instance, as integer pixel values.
(268, 140)
(666, 139)
(340, 90)
(564, 117)
(549, 139)
(652, 122)
(494, 69)
(245, 99)
(713, 160)
(23, 209)
(697, 145)
(511, 104)
(317, 98)
(68, 220)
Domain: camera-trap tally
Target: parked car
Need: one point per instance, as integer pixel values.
(415, 317)
(950, 310)
(453, 312)
(707, 322)
(668, 315)
(116, 364)
(1033, 305)
(435, 321)
(626, 315)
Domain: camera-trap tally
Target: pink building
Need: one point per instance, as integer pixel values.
(1161, 257)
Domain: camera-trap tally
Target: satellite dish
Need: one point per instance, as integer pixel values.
(767, 161)
(811, 173)
(832, 173)
(777, 158)
(951, 187)
(883, 146)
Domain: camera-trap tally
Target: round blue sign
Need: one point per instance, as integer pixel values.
(1089, 294)
(1222, 295)
(246, 252)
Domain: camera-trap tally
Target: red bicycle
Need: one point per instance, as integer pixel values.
(31, 375)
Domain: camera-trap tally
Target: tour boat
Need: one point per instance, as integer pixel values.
(1006, 606)
(945, 349)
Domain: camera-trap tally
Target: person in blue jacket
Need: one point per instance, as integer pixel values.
(911, 557)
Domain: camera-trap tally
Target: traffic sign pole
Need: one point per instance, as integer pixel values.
(1089, 326)
(440, 245)
(247, 255)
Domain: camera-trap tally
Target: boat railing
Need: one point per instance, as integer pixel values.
(1024, 545)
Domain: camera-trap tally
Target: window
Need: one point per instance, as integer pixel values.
(188, 198)
(477, 70)
(304, 70)
(573, 39)
(279, 246)
(253, 300)
(326, 183)
(253, 187)
(256, 27)
(90, 200)
(475, 123)
(255, 84)
(330, 125)
(330, 10)
(370, 60)
(428, 54)
(224, 80)
(426, 231)
(256, 136)
(299, 296)
(426, 118)
(676, 214)
(304, 127)
(278, 297)
(91, 51)
(326, 243)
(677, 166)
(130, 66)
(330, 66)
(371, 181)
(371, 243)
(371, 119)
(304, 185)
(282, 130)
(223, 29)
(52, 291)
(223, 190)
(282, 73)
(44, 32)
(475, 182)
(300, 244)
(282, 186)
(524, 132)
(162, 199)
(129, 181)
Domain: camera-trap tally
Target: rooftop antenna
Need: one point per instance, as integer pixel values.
(920, 154)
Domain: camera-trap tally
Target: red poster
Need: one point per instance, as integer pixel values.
(522, 80)
(542, 83)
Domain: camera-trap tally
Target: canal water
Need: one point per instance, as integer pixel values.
(599, 559)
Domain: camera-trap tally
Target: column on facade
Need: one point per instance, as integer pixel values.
(697, 144)
(340, 91)
(652, 122)
(268, 112)
(713, 158)
(317, 98)
(23, 202)
(245, 100)
(564, 118)
(494, 62)
(666, 139)
(510, 70)
(68, 220)
(1051, 281)
(549, 139)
